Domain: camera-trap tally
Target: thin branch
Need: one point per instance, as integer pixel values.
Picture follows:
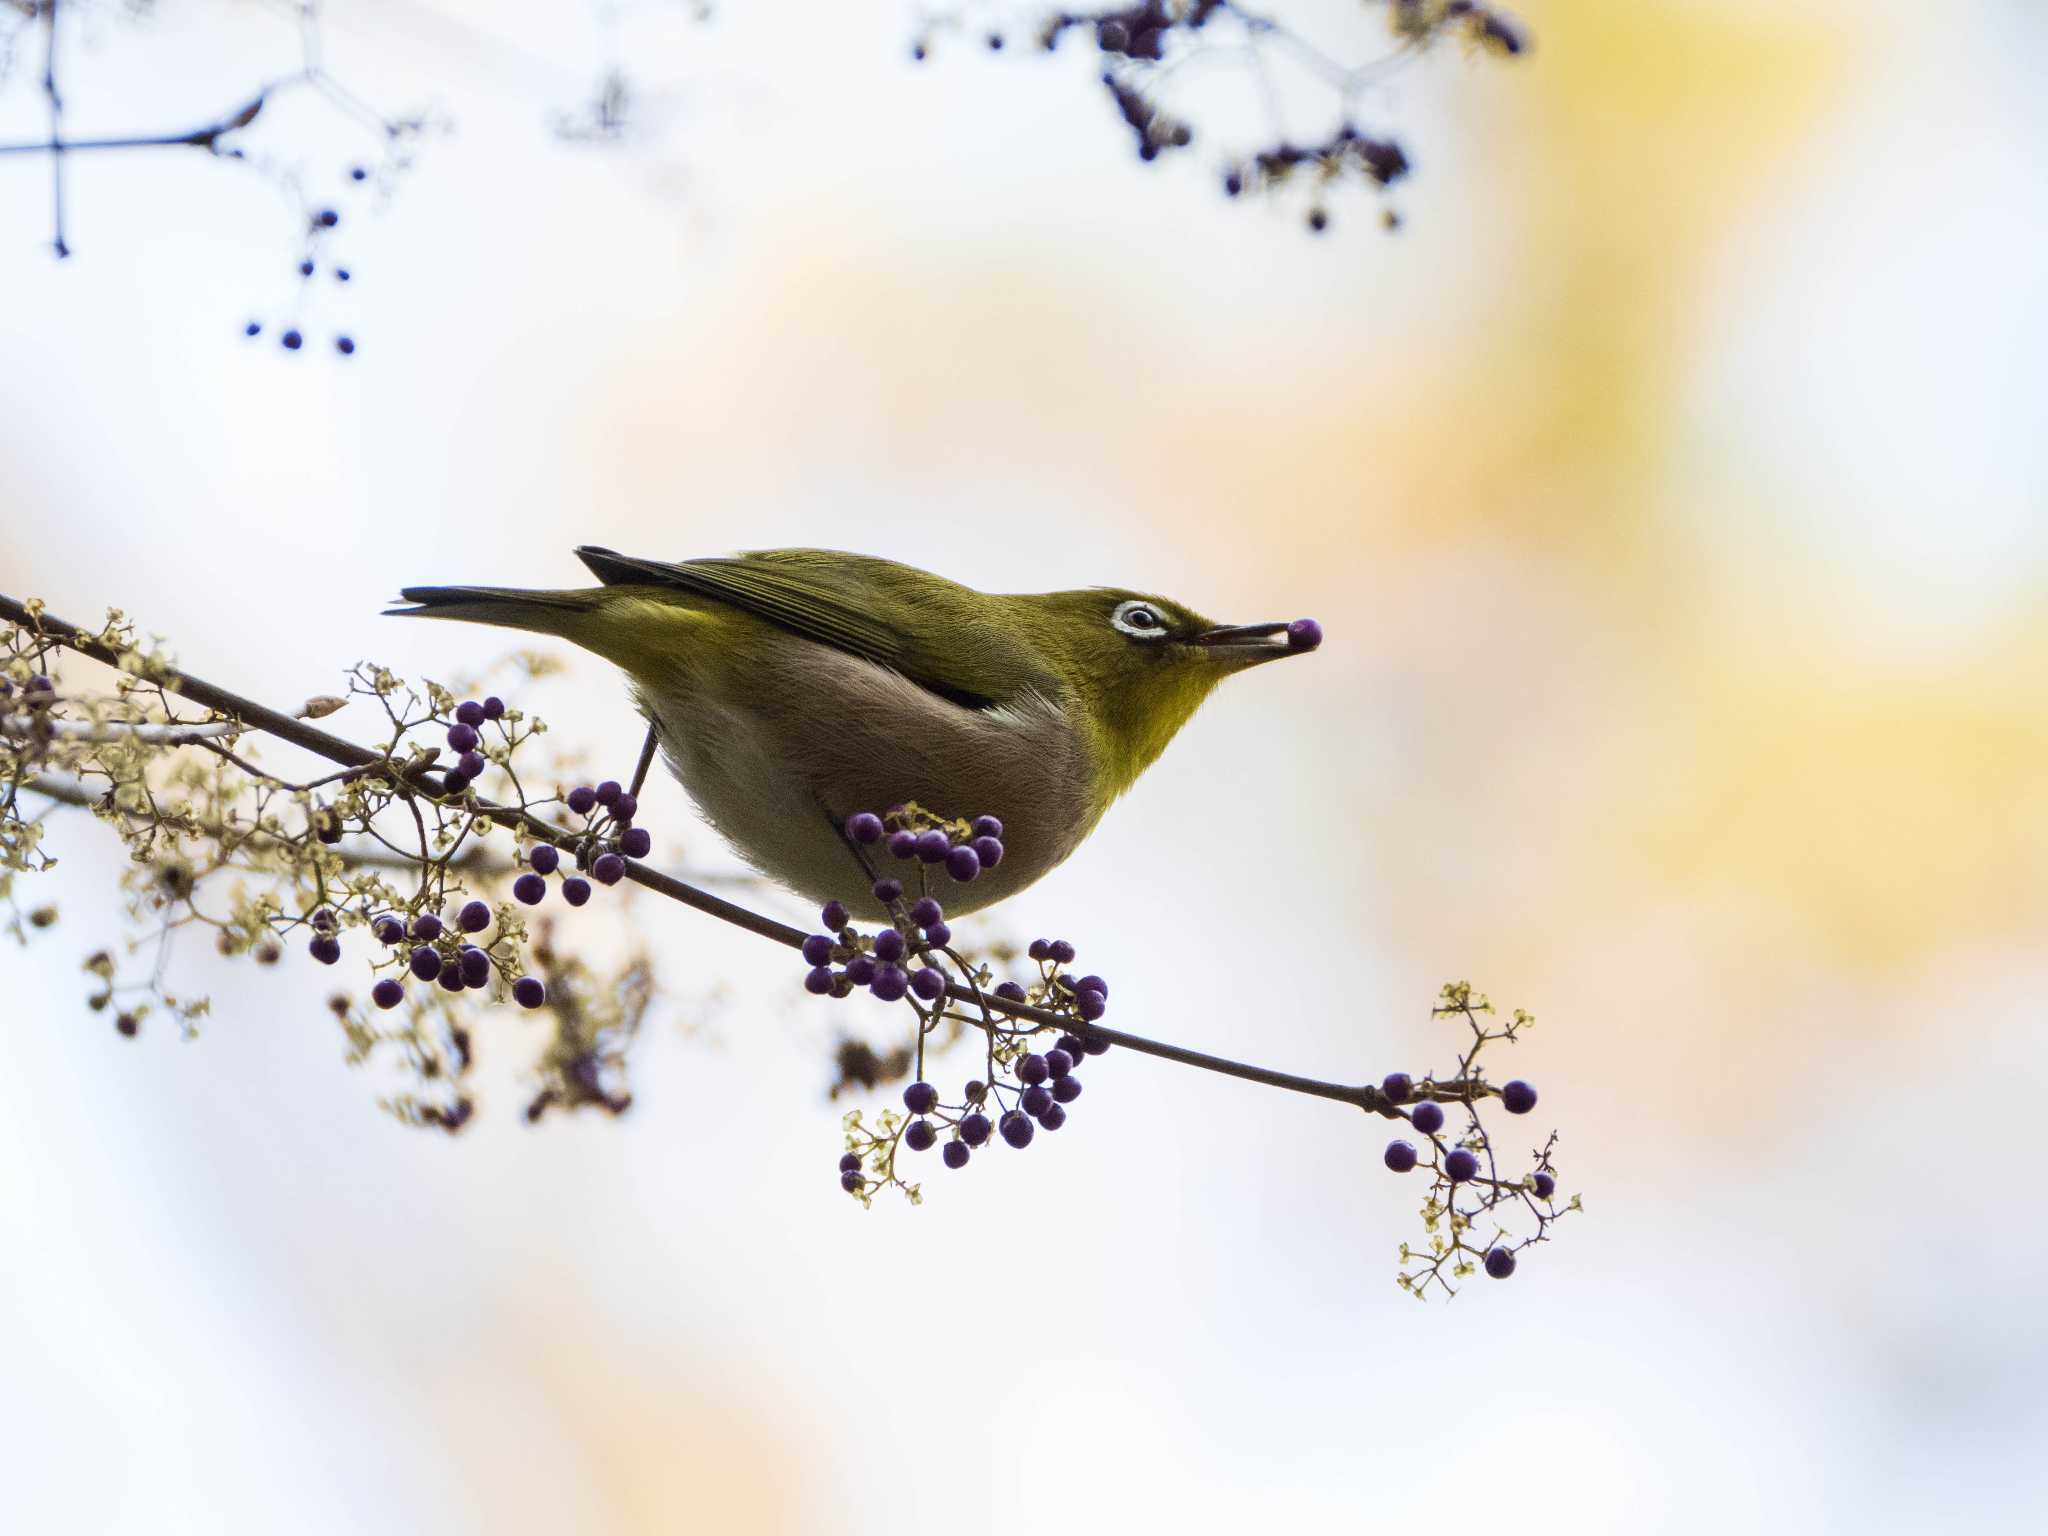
(56, 128)
(337, 749)
(205, 136)
(161, 733)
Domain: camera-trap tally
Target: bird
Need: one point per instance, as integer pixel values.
(793, 689)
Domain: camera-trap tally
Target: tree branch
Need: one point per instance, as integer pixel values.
(349, 754)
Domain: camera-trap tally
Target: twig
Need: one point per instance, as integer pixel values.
(161, 733)
(56, 128)
(202, 137)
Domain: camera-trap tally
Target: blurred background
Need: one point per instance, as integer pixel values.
(1671, 488)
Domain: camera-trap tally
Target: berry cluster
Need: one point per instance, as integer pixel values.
(321, 222)
(1020, 1090)
(1466, 1184)
(609, 839)
(964, 848)
(433, 949)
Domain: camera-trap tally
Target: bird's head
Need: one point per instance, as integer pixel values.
(1140, 665)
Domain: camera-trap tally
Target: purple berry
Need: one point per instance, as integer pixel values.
(1066, 1089)
(323, 921)
(1546, 1186)
(471, 766)
(928, 984)
(887, 891)
(575, 890)
(582, 799)
(860, 970)
(818, 980)
(817, 949)
(494, 708)
(938, 935)
(388, 993)
(890, 983)
(902, 844)
(849, 1162)
(1397, 1086)
(1033, 1069)
(919, 1135)
(974, 1129)
(1304, 635)
(529, 992)
(932, 845)
(1058, 1062)
(1074, 1048)
(986, 826)
(1055, 1115)
(989, 850)
(326, 949)
(474, 917)
(1061, 951)
(1500, 1263)
(920, 1098)
(608, 793)
(1461, 1165)
(1519, 1097)
(956, 1153)
(851, 1182)
(1039, 950)
(1427, 1118)
(476, 966)
(389, 930)
(471, 714)
(1035, 1100)
(1090, 1006)
(866, 827)
(636, 842)
(924, 912)
(1017, 1129)
(529, 888)
(1400, 1156)
(462, 738)
(451, 978)
(1012, 991)
(963, 864)
(1093, 984)
(835, 916)
(545, 858)
(608, 869)
(292, 339)
(627, 806)
(425, 963)
(1095, 1045)
(454, 782)
(889, 944)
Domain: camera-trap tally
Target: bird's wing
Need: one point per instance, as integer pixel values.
(827, 598)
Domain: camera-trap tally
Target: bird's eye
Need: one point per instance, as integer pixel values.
(1141, 621)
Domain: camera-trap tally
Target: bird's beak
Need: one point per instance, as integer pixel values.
(1246, 645)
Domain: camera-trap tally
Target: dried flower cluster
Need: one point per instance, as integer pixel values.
(391, 859)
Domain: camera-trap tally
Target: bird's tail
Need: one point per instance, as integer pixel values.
(548, 613)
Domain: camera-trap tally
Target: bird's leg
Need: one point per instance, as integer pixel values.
(898, 908)
(646, 760)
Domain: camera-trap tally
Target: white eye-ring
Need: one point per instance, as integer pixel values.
(1139, 619)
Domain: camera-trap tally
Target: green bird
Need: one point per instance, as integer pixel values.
(792, 688)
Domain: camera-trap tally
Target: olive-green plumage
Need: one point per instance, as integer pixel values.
(794, 687)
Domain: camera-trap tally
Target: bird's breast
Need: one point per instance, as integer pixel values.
(774, 753)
